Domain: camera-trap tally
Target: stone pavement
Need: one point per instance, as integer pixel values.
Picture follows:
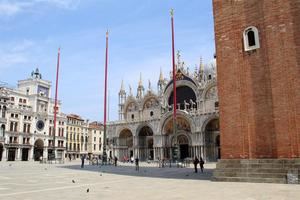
(34, 181)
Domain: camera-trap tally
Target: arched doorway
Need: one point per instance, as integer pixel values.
(125, 144)
(177, 146)
(38, 149)
(1, 151)
(145, 143)
(212, 140)
(181, 145)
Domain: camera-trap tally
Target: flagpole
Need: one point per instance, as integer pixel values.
(55, 100)
(174, 75)
(105, 98)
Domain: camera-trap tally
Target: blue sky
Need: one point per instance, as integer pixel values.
(140, 42)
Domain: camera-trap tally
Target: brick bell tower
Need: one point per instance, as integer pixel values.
(258, 59)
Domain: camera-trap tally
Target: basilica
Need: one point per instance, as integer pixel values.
(145, 125)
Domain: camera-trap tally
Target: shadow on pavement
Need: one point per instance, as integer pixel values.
(145, 171)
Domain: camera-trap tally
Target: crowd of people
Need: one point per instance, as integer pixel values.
(161, 162)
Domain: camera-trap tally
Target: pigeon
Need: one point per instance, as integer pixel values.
(10, 165)
(100, 174)
(73, 181)
(88, 190)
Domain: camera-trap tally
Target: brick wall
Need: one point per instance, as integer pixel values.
(259, 91)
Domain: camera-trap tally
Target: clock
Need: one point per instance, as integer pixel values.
(40, 125)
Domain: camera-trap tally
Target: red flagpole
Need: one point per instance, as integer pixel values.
(174, 70)
(105, 94)
(56, 91)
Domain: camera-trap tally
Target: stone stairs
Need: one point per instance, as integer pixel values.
(258, 170)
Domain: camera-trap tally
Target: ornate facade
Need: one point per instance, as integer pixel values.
(27, 121)
(145, 126)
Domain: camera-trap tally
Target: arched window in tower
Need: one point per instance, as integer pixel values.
(251, 38)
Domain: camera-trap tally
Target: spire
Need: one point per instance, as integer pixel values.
(161, 77)
(130, 90)
(141, 81)
(140, 89)
(201, 67)
(149, 85)
(201, 70)
(122, 89)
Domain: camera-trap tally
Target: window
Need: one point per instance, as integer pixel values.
(132, 116)
(24, 128)
(94, 147)
(251, 38)
(151, 113)
(94, 139)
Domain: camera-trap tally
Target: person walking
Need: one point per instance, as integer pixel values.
(196, 161)
(201, 164)
(82, 161)
(137, 164)
(116, 160)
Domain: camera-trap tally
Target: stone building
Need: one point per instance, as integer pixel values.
(145, 125)
(26, 121)
(77, 137)
(95, 139)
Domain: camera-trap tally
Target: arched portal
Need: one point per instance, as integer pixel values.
(125, 144)
(177, 146)
(181, 122)
(180, 144)
(38, 149)
(1, 151)
(212, 140)
(145, 143)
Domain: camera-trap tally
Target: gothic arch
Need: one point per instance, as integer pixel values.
(126, 138)
(38, 149)
(207, 120)
(207, 88)
(148, 98)
(142, 125)
(168, 116)
(131, 101)
(181, 83)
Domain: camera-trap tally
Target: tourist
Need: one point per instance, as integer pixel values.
(201, 164)
(196, 161)
(116, 160)
(82, 161)
(132, 159)
(137, 164)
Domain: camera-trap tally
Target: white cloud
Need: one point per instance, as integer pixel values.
(13, 7)
(15, 53)
(66, 4)
(9, 9)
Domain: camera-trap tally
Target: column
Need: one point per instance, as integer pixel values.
(4, 154)
(30, 154)
(18, 156)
